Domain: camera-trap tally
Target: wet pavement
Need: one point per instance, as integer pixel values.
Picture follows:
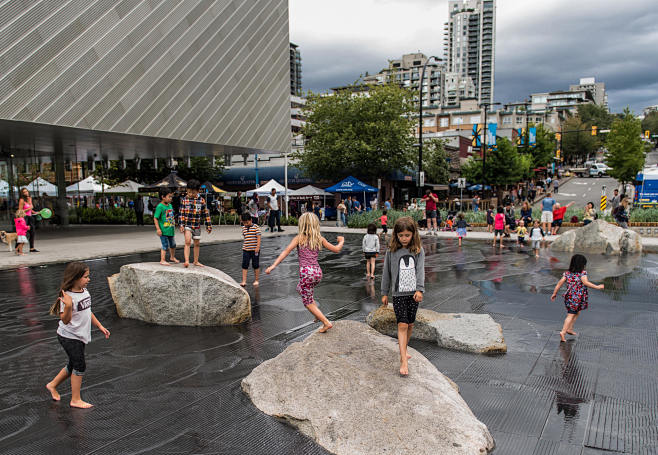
(165, 390)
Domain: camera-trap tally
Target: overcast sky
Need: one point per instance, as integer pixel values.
(541, 45)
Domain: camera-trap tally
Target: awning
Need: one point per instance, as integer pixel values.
(351, 185)
(267, 189)
(172, 181)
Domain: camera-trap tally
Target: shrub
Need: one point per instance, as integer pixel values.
(363, 219)
(639, 215)
(113, 215)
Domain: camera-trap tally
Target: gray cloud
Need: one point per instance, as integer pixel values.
(538, 48)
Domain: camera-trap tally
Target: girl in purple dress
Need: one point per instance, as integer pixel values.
(575, 299)
(308, 243)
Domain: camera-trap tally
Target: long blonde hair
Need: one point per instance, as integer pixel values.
(309, 231)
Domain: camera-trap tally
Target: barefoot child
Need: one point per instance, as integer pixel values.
(384, 221)
(490, 220)
(192, 208)
(575, 299)
(461, 226)
(404, 278)
(73, 306)
(250, 248)
(370, 245)
(521, 232)
(165, 226)
(499, 226)
(308, 244)
(21, 231)
(536, 236)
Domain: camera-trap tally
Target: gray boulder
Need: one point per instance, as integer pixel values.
(343, 390)
(174, 295)
(599, 237)
(468, 332)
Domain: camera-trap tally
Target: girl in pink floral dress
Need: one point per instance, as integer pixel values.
(576, 298)
(309, 242)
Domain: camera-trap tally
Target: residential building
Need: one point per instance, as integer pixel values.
(597, 89)
(470, 43)
(94, 81)
(295, 70)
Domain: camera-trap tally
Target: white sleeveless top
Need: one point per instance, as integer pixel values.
(79, 328)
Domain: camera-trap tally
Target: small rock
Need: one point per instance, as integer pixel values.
(174, 295)
(468, 332)
(343, 390)
(599, 237)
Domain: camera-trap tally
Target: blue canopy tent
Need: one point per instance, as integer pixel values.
(352, 185)
(478, 187)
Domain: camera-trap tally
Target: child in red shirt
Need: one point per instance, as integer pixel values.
(384, 221)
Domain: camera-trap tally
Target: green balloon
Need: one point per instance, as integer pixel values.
(45, 213)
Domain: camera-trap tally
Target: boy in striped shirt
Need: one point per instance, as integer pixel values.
(250, 248)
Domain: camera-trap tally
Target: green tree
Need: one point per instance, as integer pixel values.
(147, 172)
(577, 140)
(367, 136)
(435, 162)
(650, 123)
(593, 114)
(544, 151)
(625, 148)
(200, 168)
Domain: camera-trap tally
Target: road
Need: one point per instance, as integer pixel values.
(584, 190)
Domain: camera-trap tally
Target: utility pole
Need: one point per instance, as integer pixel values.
(420, 123)
(483, 142)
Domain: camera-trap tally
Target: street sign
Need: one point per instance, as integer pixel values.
(461, 183)
(421, 178)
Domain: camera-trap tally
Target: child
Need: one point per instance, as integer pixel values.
(449, 222)
(250, 248)
(575, 299)
(308, 243)
(192, 208)
(461, 227)
(490, 220)
(384, 220)
(73, 306)
(521, 232)
(21, 231)
(404, 278)
(536, 236)
(165, 226)
(370, 245)
(499, 226)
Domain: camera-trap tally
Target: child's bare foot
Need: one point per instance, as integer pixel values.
(256, 283)
(408, 356)
(243, 284)
(571, 332)
(164, 263)
(404, 369)
(53, 392)
(81, 404)
(174, 260)
(562, 337)
(198, 264)
(325, 327)
(186, 264)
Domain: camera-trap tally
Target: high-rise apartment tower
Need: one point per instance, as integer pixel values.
(295, 70)
(470, 42)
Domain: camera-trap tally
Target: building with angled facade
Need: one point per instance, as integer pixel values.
(98, 80)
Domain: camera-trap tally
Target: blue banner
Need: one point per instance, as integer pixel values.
(520, 136)
(475, 135)
(491, 134)
(532, 136)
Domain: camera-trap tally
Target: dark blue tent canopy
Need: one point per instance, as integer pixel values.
(351, 185)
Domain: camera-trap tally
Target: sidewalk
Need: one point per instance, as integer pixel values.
(78, 243)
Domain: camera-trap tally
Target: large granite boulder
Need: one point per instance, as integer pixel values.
(343, 390)
(174, 295)
(599, 237)
(468, 332)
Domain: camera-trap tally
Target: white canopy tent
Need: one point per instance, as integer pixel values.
(4, 189)
(129, 186)
(309, 191)
(86, 186)
(267, 189)
(39, 186)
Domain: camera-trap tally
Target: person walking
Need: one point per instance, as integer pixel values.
(348, 204)
(340, 218)
(476, 203)
(275, 213)
(27, 206)
(252, 207)
(237, 203)
(556, 185)
(615, 200)
(139, 210)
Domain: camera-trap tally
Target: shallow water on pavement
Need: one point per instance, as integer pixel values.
(176, 389)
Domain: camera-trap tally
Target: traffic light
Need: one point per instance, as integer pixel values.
(558, 137)
(594, 130)
(647, 134)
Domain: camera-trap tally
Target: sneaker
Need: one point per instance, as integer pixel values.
(280, 230)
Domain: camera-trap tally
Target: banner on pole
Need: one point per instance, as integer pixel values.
(532, 136)
(491, 135)
(476, 136)
(520, 136)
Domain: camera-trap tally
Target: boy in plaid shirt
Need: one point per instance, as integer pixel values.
(192, 208)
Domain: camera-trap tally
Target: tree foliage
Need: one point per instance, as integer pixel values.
(577, 140)
(650, 123)
(366, 136)
(544, 151)
(625, 148)
(593, 114)
(435, 163)
(503, 166)
(200, 168)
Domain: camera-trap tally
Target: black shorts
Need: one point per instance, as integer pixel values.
(429, 214)
(75, 350)
(384, 229)
(405, 308)
(248, 256)
(370, 255)
(556, 223)
(498, 232)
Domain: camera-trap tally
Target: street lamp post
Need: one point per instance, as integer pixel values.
(420, 121)
(483, 142)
